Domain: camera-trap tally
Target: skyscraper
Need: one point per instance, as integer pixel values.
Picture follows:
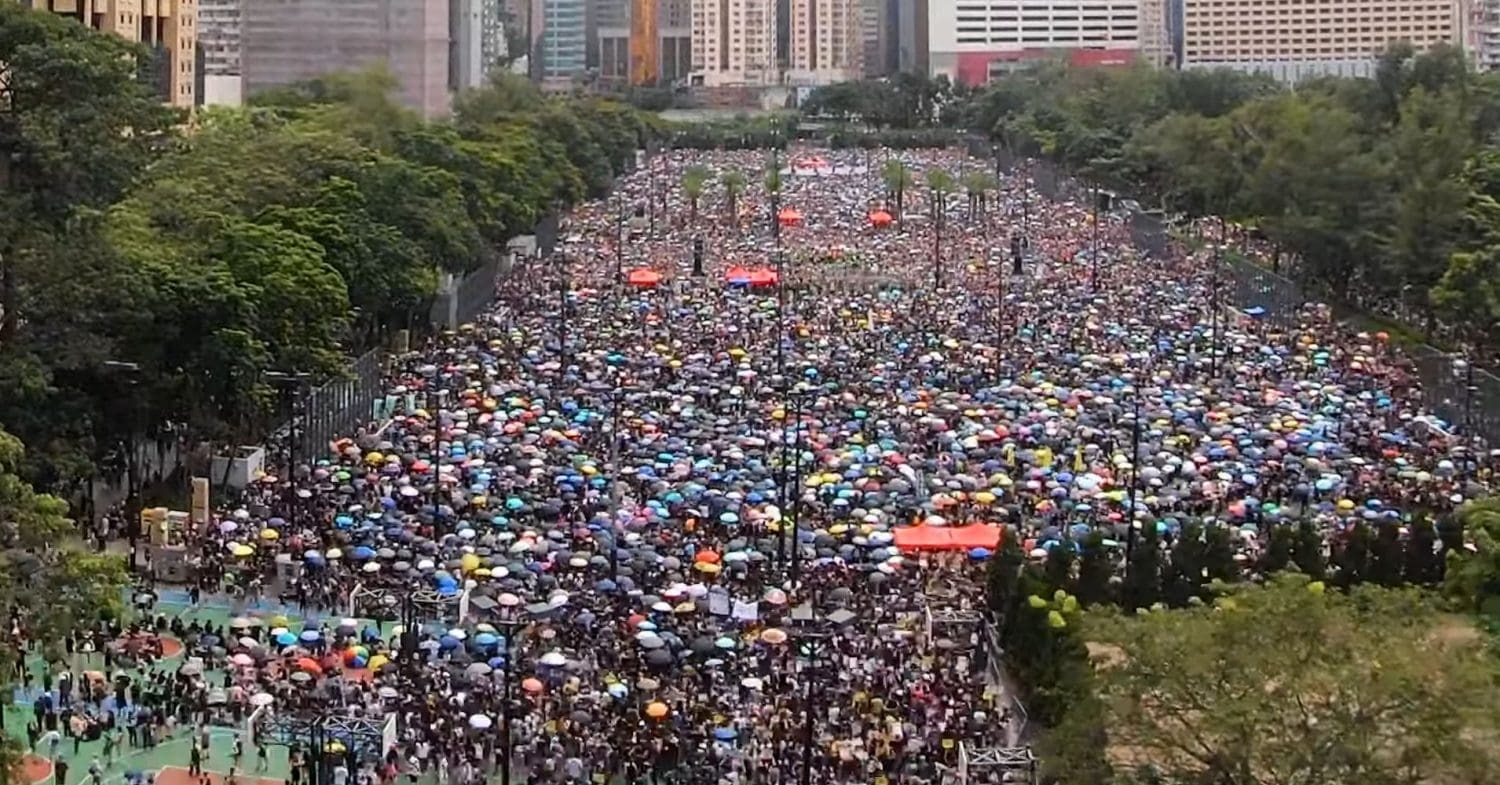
(495, 21)
(1296, 39)
(877, 28)
(466, 66)
(973, 40)
(564, 41)
(167, 28)
(296, 40)
(734, 42)
(826, 42)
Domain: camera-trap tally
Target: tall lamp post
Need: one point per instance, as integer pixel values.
(1094, 254)
(291, 384)
(619, 240)
(562, 315)
(796, 490)
(131, 372)
(510, 625)
(1135, 473)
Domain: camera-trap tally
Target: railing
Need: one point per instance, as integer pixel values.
(339, 407)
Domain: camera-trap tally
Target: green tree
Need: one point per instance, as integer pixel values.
(1308, 553)
(1422, 567)
(734, 183)
(694, 180)
(1280, 543)
(1289, 683)
(1183, 576)
(1142, 587)
(1387, 556)
(897, 178)
(1096, 570)
(1058, 568)
(1473, 574)
(977, 184)
(1003, 574)
(1352, 556)
(1218, 554)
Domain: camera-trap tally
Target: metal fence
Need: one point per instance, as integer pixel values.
(1148, 232)
(338, 407)
(1466, 397)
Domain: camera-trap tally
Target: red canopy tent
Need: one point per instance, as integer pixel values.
(764, 276)
(644, 277)
(738, 276)
(881, 218)
(789, 217)
(948, 538)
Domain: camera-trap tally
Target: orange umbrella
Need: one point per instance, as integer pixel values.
(656, 710)
(789, 217)
(644, 277)
(881, 218)
(707, 557)
(310, 665)
(532, 685)
(764, 276)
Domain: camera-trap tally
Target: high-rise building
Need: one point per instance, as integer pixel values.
(1296, 39)
(1484, 34)
(877, 30)
(466, 65)
(564, 41)
(167, 28)
(612, 20)
(1155, 38)
(826, 42)
(676, 30)
(495, 20)
(296, 40)
(219, 82)
(734, 42)
(911, 35)
(973, 40)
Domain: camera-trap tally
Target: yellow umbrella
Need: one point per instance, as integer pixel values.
(242, 551)
(269, 534)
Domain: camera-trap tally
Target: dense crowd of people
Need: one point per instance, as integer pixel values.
(650, 506)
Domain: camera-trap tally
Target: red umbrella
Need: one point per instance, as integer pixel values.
(763, 276)
(789, 217)
(737, 275)
(881, 218)
(644, 277)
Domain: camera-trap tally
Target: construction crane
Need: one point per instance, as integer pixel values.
(645, 44)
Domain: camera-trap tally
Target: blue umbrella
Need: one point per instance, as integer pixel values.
(286, 639)
(486, 639)
(362, 552)
(310, 635)
(979, 554)
(448, 642)
(726, 734)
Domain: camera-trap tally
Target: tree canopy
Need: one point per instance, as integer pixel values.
(1288, 683)
(290, 234)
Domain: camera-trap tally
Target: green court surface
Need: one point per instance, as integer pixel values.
(169, 757)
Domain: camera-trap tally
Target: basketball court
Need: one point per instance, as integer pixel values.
(178, 775)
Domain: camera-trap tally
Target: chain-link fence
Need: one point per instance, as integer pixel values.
(337, 408)
(1148, 232)
(1465, 396)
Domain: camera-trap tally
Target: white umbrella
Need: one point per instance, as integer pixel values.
(480, 722)
(458, 633)
(262, 699)
(554, 659)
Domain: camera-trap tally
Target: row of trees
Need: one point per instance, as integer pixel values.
(286, 235)
(1085, 646)
(1382, 190)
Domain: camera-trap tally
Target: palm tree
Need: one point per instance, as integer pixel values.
(734, 185)
(977, 184)
(897, 179)
(773, 187)
(694, 180)
(941, 183)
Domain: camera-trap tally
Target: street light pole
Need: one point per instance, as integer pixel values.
(796, 502)
(509, 625)
(614, 486)
(619, 240)
(937, 238)
(131, 372)
(291, 384)
(812, 644)
(1135, 463)
(1213, 315)
(1094, 255)
(780, 314)
(562, 315)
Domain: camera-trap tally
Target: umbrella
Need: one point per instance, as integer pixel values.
(480, 722)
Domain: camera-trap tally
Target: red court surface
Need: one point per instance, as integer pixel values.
(178, 775)
(35, 768)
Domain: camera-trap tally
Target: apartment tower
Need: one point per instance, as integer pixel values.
(826, 43)
(972, 41)
(734, 43)
(167, 28)
(295, 40)
(1297, 39)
